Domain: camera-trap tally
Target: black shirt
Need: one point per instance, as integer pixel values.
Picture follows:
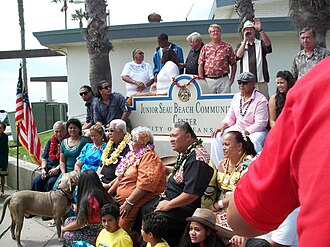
(192, 61)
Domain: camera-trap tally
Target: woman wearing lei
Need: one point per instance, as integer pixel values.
(50, 169)
(238, 152)
(141, 178)
(115, 150)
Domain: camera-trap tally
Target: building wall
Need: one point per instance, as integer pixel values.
(285, 46)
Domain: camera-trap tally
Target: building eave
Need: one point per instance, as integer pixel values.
(151, 30)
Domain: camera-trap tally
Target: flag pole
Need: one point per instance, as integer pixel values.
(17, 158)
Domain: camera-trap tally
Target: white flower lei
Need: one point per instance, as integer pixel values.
(113, 159)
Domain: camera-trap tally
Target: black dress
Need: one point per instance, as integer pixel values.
(3, 154)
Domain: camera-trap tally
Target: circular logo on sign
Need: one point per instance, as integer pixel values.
(184, 94)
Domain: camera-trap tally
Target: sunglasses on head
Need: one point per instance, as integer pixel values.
(83, 93)
(106, 87)
(242, 82)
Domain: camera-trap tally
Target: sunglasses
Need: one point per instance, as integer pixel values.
(83, 93)
(106, 87)
(111, 130)
(141, 53)
(242, 82)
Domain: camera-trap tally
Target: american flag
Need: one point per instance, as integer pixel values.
(25, 124)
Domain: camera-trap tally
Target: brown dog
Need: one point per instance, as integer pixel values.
(53, 204)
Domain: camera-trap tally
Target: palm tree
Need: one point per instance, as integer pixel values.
(22, 25)
(98, 44)
(64, 9)
(314, 14)
(78, 16)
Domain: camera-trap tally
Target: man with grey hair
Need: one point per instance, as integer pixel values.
(310, 55)
(215, 61)
(50, 169)
(196, 43)
(116, 149)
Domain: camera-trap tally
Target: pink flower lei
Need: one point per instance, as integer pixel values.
(130, 158)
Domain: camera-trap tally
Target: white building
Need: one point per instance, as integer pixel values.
(125, 38)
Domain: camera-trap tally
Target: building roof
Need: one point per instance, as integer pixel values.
(150, 30)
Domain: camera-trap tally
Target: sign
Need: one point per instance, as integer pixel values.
(188, 101)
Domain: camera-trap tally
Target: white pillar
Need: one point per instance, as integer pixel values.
(49, 97)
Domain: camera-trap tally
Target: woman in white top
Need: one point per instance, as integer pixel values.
(137, 74)
(168, 71)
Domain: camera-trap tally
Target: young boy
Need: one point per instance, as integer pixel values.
(153, 229)
(112, 235)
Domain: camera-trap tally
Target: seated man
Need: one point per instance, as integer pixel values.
(190, 177)
(110, 106)
(50, 169)
(248, 113)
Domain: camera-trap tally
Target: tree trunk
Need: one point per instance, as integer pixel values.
(21, 23)
(98, 44)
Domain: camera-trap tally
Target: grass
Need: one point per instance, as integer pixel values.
(44, 137)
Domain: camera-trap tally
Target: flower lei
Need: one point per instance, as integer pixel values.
(113, 159)
(184, 85)
(130, 158)
(54, 150)
(182, 156)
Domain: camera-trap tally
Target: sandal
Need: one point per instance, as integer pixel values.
(51, 223)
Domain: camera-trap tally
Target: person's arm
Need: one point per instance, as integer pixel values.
(238, 223)
(125, 115)
(130, 201)
(261, 118)
(240, 51)
(62, 158)
(220, 129)
(182, 200)
(201, 70)
(272, 111)
(258, 27)
(233, 73)
(87, 126)
(77, 166)
(113, 187)
(75, 225)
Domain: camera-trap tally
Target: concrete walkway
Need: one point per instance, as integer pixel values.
(35, 232)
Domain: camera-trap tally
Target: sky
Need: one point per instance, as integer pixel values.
(42, 15)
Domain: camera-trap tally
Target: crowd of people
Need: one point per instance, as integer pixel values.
(126, 195)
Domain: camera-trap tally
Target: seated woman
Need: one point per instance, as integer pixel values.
(201, 230)
(90, 156)
(50, 169)
(169, 70)
(116, 149)
(238, 151)
(141, 177)
(72, 146)
(285, 81)
(91, 197)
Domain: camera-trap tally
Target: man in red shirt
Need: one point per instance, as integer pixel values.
(293, 168)
(214, 61)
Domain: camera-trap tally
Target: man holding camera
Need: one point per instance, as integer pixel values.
(252, 54)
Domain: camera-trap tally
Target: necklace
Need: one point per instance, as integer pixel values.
(182, 156)
(113, 159)
(55, 147)
(74, 147)
(130, 158)
(241, 106)
(226, 179)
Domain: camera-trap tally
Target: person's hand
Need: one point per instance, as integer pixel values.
(140, 86)
(53, 171)
(257, 24)
(154, 87)
(73, 207)
(220, 130)
(124, 209)
(43, 174)
(237, 241)
(163, 206)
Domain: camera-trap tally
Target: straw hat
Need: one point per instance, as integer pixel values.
(205, 217)
(248, 24)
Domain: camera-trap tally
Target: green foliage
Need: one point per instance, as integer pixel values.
(78, 15)
(22, 151)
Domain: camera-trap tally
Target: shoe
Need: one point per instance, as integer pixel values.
(45, 218)
(51, 223)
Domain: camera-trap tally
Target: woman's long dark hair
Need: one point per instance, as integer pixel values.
(89, 185)
(211, 241)
(247, 145)
(281, 97)
(169, 55)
